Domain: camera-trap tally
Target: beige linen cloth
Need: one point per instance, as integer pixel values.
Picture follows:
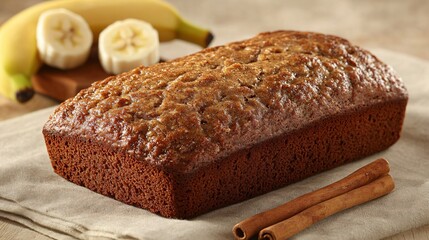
(32, 194)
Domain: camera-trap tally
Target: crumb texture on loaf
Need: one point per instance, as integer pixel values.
(185, 113)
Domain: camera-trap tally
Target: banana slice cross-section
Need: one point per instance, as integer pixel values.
(127, 44)
(64, 38)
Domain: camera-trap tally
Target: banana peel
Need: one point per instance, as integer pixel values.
(17, 87)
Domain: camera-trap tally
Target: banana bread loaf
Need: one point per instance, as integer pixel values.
(217, 127)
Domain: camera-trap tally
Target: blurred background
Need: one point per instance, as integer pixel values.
(396, 25)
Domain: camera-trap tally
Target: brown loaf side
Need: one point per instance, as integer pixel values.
(228, 123)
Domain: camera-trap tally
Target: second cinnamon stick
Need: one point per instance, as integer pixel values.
(287, 228)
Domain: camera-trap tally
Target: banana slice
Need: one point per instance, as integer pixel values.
(64, 38)
(127, 44)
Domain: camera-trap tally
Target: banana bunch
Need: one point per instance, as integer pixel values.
(19, 58)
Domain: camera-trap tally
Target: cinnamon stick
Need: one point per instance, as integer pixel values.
(251, 226)
(304, 219)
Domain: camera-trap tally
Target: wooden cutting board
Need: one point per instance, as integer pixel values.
(63, 84)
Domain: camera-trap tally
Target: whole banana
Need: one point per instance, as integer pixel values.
(18, 51)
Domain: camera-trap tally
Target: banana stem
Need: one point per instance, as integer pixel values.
(188, 32)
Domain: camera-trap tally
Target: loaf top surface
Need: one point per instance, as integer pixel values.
(185, 113)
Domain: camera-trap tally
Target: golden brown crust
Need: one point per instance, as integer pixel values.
(183, 116)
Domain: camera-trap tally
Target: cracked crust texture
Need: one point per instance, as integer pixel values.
(219, 126)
